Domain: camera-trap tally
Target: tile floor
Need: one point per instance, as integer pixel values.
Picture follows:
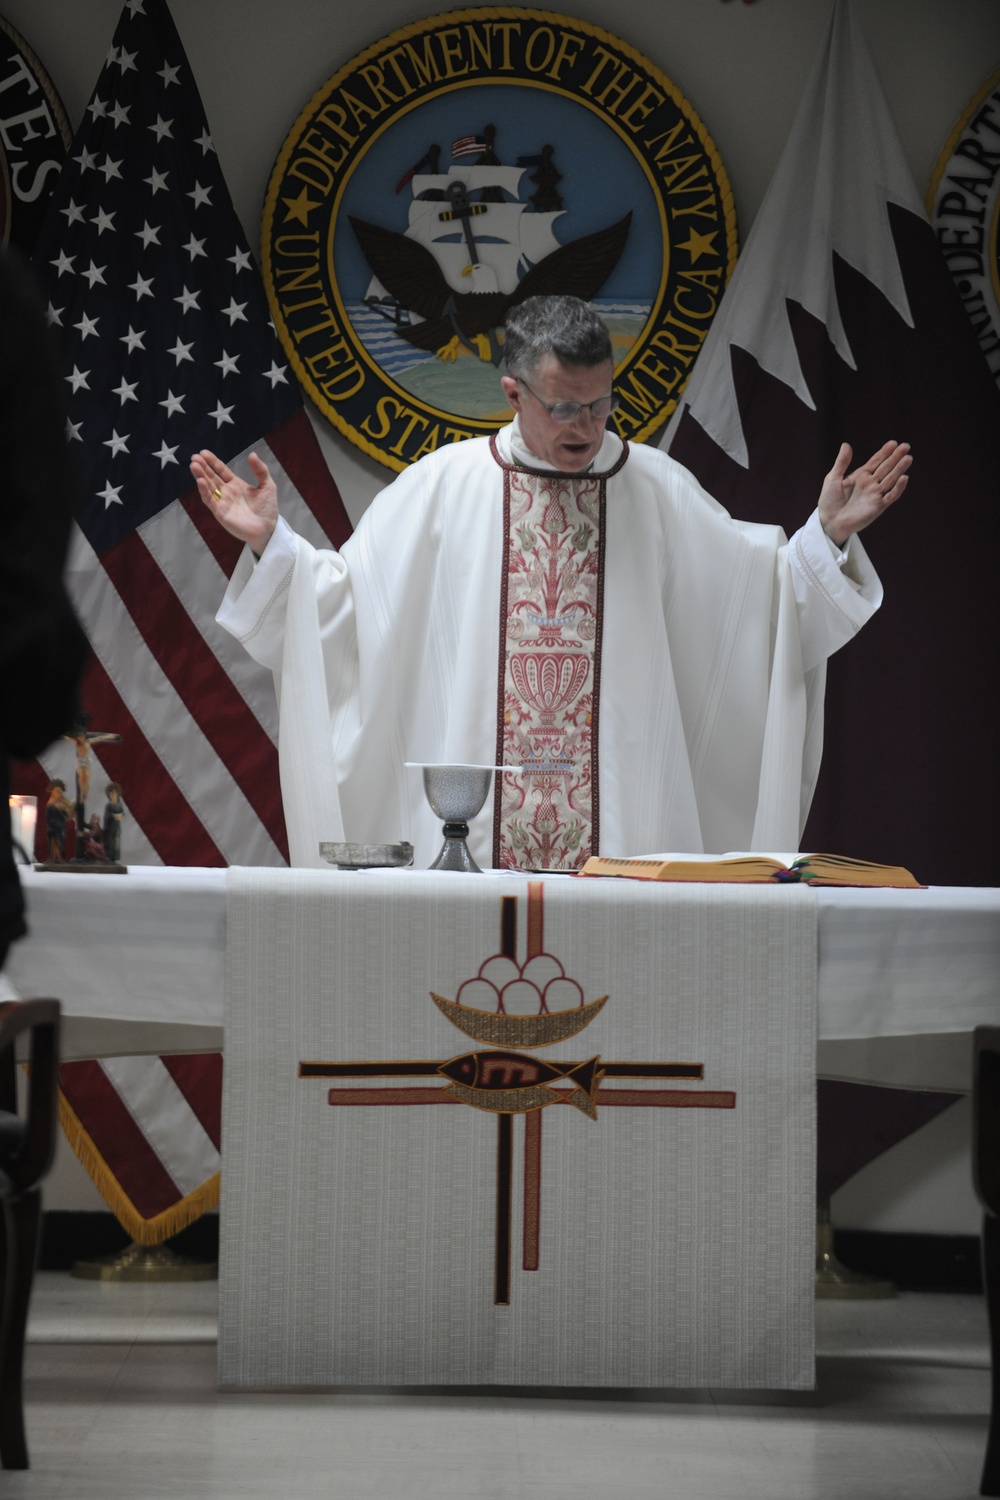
(122, 1402)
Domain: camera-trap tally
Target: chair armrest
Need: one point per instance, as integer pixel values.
(986, 1117)
(41, 1019)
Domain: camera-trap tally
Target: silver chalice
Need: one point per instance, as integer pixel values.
(456, 794)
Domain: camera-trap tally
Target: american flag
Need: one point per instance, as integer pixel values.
(469, 145)
(168, 348)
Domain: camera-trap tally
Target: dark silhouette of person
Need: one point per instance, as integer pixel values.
(42, 646)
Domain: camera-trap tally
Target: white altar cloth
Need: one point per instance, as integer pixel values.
(660, 1232)
(137, 960)
(139, 964)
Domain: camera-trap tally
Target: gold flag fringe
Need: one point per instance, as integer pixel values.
(145, 1231)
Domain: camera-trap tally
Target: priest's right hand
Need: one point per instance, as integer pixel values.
(248, 512)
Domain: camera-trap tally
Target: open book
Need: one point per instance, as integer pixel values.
(813, 869)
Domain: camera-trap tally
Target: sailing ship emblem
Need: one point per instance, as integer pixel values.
(467, 162)
(473, 248)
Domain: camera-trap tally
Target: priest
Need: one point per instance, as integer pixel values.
(556, 600)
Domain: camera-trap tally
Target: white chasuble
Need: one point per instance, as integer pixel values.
(546, 817)
(484, 612)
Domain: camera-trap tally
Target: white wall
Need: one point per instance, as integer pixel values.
(742, 67)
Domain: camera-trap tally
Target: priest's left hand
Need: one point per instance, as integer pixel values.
(850, 502)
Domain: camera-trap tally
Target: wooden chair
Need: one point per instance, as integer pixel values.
(986, 1175)
(26, 1147)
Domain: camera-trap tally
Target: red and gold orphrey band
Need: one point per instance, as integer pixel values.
(549, 679)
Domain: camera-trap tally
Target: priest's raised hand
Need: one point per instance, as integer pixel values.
(248, 512)
(850, 502)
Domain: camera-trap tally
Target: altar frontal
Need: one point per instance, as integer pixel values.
(511, 1131)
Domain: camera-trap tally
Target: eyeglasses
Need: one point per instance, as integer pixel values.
(564, 412)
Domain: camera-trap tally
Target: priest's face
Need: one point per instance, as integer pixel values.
(571, 446)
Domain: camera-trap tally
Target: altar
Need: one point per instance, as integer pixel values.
(628, 1203)
(903, 977)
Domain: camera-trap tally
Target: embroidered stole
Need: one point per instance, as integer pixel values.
(551, 617)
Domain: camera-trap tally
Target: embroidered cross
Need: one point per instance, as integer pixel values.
(508, 1082)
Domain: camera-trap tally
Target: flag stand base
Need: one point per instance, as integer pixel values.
(145, 1263)
(834, 1280)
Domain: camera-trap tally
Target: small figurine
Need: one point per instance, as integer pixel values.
(93, 842)
(113, 815)
(83, 738)
(58, 809)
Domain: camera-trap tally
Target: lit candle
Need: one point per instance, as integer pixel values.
(23, 817)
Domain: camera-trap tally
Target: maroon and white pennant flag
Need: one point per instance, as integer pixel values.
(840, 323)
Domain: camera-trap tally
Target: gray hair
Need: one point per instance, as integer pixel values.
(563, 326)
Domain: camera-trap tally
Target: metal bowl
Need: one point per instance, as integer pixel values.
(367, 856)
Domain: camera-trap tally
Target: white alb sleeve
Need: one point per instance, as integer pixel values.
(253, 607)
(836, 590)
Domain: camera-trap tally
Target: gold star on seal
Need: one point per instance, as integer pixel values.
(301, 207)
(698, 245)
